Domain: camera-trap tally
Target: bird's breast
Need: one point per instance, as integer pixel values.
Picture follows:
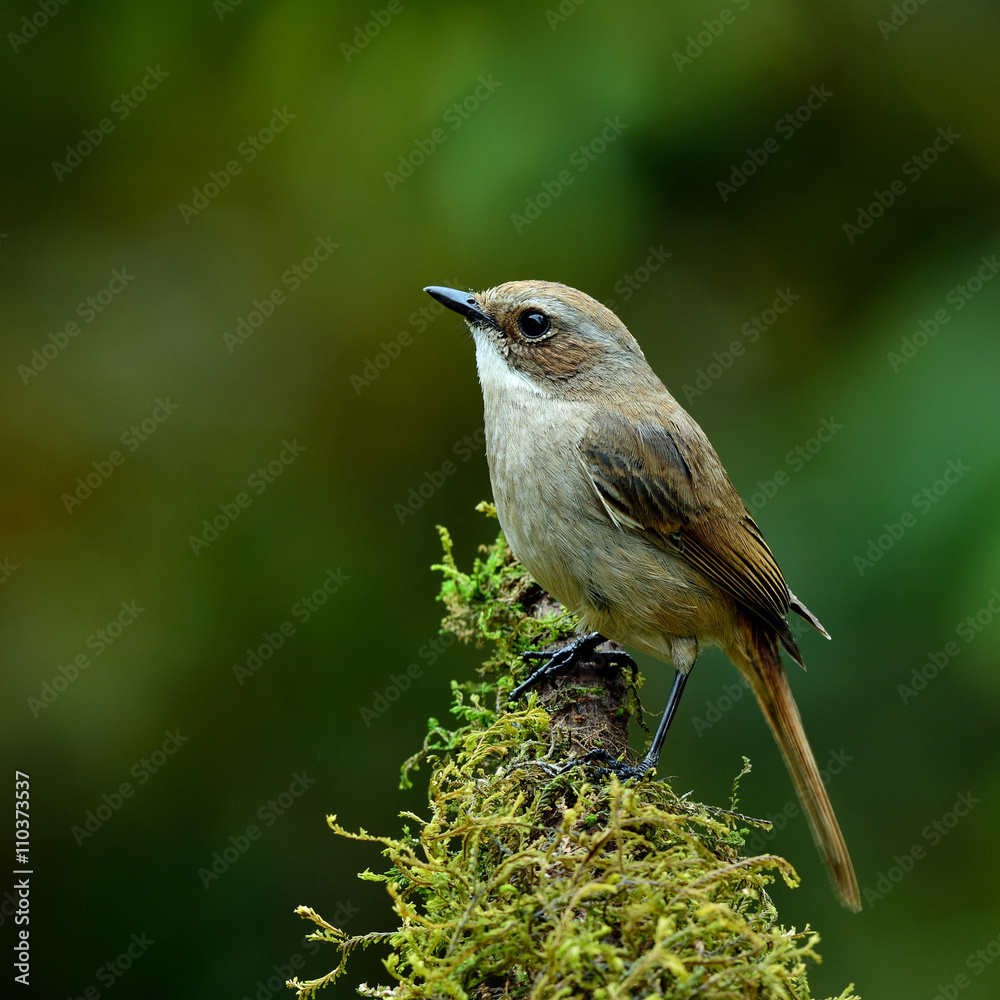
(617, 581)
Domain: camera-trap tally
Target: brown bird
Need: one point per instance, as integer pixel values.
(615, 501)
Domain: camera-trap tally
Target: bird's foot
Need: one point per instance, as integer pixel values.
(602, 763)
(562, 660)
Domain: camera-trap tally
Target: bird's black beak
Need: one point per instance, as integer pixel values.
(464, 303)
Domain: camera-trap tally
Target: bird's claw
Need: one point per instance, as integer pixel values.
(602, 763)
(564, 659)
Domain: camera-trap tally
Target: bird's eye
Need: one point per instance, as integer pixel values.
(533, 324)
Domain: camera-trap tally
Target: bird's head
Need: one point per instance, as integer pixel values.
(563, 342)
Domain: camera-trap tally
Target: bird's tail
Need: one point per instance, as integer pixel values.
(760, 662)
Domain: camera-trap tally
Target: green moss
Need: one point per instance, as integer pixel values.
(526, 882)
(488, 604)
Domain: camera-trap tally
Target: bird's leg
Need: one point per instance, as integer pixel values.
(652, 757)
(564, 659)
(683, 651)
(608, 765)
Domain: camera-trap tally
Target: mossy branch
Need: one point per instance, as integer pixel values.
(528, 881)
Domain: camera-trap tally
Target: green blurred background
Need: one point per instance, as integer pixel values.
(344, 128)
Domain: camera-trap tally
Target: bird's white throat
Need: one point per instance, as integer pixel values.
(495, 375)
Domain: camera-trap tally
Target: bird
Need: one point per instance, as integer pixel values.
(614, 500)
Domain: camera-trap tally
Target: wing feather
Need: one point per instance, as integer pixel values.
(660, 476)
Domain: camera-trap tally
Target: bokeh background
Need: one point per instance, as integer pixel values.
(432, 144)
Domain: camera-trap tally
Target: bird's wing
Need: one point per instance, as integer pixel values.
(661, 477)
